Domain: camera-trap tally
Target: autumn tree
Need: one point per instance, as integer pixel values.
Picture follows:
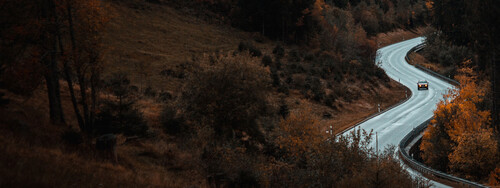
(40, 31)
(86, 20)
(436, 144)
(474, 30)
(29, 33)
(227, 93)
(460, 127)
(475, 154)
(494, 179)
(311, 159)
(300, 133)
(120, 114)
(20, 68)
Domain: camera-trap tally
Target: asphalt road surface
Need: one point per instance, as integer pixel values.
(394, 124)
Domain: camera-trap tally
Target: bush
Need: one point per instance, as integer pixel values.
(275, 77)
(227, 95)
(149, 92)
(277, 64)
(284, 111)
(329, 100)
(289, 80)
(72, 137)
(164, 96)
(120, 118)
(245, 179)
(267, 60)
(439, 50)
(120, 115)
(172, 124)
(294, 56)
(284, 89)
(245, 46)
(279, 51)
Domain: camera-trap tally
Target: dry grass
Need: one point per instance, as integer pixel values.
(418, 59)
(35, 155)
(398, 35)
(349, 114)
(142, 40)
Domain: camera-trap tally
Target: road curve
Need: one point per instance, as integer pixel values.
(392, 125)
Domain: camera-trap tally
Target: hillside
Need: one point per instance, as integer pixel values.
(160, 48)
(146, 40)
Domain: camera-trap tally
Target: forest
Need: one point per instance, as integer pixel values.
(464, 135)
(233, 93)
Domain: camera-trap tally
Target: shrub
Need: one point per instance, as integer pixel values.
(164, 96)
(279, 51)
(329, 100)
(284, 111)
(245, 178)
(227, 95)
(149, 92)
(289, 80)
(309, 57)
(284, 89)
(267, 60)
(246, 46)
(120, 118)
(172, 124)
(72, 137)
(119, 115)
(275, 77)
(277, 64)
(294, 56)
(439, 50)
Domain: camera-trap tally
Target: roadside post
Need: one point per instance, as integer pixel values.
(331, 130)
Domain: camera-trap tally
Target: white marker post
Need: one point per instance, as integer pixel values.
(331, 130)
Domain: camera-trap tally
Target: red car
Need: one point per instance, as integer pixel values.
(423, 84)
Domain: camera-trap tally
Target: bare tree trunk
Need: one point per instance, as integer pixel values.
(53, 92)
(94, 81)
(83, 95)
(52, 74)
(67, 68)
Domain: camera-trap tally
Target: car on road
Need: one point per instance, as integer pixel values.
(423, 84)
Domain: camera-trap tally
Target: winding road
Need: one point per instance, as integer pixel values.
(392, 125)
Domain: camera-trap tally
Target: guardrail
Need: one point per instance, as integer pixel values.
(414, 164)
(377, 113)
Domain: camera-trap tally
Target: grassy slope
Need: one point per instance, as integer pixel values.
(161, 38)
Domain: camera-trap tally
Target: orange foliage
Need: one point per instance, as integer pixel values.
(460, 124)
(475, 154)
(317, 11)
(300, 132)
(429, 4)
(495, 177)
(467, 118)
